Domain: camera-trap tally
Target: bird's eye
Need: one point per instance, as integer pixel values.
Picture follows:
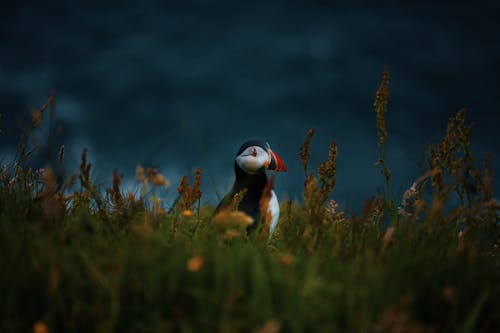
(253, 152)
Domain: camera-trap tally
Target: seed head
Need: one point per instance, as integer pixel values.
(305, 150)
(380, 105)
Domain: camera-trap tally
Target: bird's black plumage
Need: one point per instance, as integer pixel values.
(258, 143)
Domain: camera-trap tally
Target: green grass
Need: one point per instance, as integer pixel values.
(74, 258)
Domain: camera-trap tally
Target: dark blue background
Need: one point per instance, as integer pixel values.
(181, 84)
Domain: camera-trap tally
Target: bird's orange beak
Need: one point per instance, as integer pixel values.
(276, 163)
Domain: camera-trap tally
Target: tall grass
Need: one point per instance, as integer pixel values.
(76, 258)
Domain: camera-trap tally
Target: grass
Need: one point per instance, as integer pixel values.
(76, 258)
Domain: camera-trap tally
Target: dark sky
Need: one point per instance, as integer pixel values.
(181, 84)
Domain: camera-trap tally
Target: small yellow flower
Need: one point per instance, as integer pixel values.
(287, 259)
(195, 264)
(40, 327)
(229, 219)
(187, 213)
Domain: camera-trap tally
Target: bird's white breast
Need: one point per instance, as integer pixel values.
(274, 209)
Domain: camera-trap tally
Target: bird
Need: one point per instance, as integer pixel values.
(252, 160)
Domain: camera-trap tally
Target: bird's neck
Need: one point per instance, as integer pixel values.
(254, 183)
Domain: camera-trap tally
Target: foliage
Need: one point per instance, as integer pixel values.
(77, 258)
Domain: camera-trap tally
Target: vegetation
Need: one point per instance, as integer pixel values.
(77, 258)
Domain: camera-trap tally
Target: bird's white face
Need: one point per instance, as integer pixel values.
(253, 159)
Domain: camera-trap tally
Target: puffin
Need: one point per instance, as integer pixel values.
(250, 164)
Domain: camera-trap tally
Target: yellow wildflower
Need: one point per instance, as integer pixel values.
(231, 219)
(187, 213)
(40, 327)
(195, 264)
(287, 259)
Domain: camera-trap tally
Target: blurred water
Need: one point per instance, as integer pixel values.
(181, 84)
